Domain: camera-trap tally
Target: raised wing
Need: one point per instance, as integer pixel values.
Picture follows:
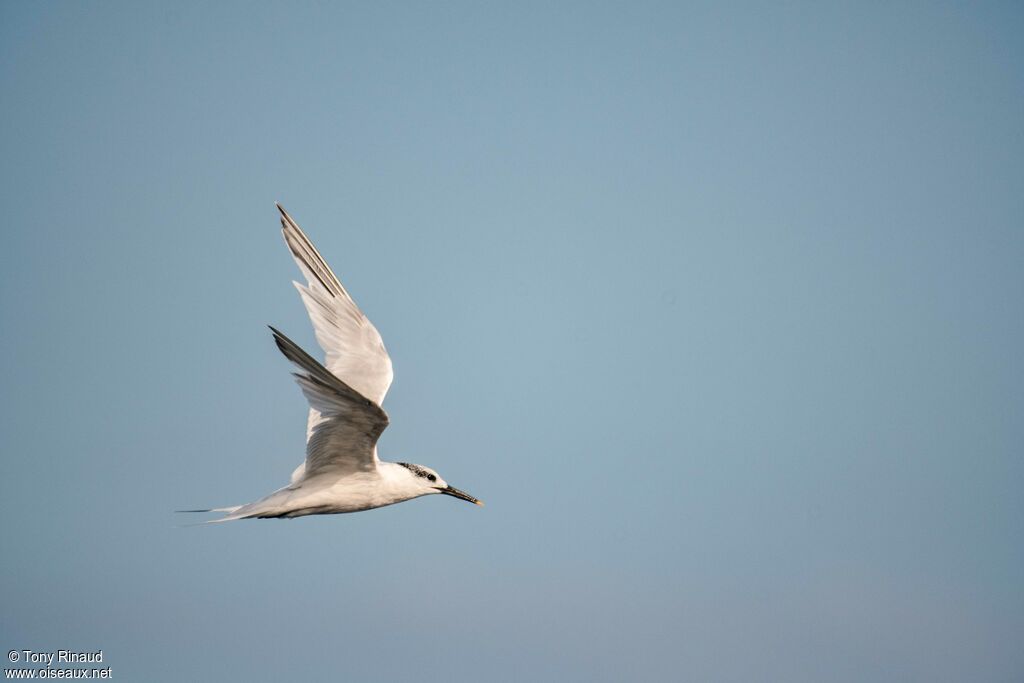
(344, 439)
(354, 350)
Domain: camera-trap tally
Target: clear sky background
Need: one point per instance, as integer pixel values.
(717, 306)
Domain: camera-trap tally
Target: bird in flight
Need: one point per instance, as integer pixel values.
(341, 472)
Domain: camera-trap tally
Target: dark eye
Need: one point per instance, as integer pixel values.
(431, 477)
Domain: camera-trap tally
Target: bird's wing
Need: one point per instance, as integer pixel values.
(354, 350)
(344, 439)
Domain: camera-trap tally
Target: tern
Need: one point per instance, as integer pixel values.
(342, 472)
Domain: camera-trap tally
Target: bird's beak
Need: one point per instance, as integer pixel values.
(452, 491)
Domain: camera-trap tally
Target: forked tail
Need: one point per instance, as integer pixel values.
(229, 516)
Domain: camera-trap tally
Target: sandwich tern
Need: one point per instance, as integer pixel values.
(341, 472)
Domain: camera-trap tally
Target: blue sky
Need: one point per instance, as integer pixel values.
(717, 306)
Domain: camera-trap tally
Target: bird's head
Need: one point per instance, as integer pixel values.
(431, 482)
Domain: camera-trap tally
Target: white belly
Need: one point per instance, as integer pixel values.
(327, 495)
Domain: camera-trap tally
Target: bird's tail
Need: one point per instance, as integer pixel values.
(229, 510)
(274, 505)
(229, 514)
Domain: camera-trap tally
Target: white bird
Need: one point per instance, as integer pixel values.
(341, 472)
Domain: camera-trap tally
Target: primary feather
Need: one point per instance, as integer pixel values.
(344, 438)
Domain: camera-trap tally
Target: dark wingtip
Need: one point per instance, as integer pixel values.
(280, 340)
(286, 218)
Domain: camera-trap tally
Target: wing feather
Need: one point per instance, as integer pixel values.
(344, 439)
(354, 349)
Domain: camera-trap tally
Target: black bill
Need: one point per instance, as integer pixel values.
(452, 491)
